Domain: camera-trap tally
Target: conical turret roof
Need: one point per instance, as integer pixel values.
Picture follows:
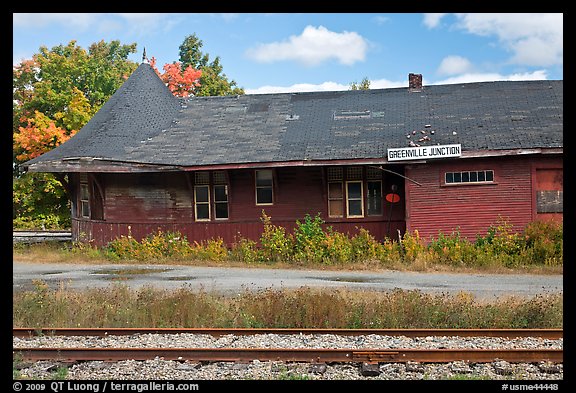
(139, 110)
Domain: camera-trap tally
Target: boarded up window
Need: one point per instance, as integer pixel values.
(549, 190)
(549, 201)
(335, 199)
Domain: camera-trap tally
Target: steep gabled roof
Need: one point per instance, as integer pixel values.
(143, 124)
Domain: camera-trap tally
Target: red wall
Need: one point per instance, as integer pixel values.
(164, 201)
(472, 208)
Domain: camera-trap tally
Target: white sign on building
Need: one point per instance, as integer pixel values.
(424, 152)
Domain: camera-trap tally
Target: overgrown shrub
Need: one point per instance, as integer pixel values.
(276, 244)
(541, 243)
(309, 239)
(244, 250)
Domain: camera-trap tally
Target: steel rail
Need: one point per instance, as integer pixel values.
(510, 333)
(322, 355)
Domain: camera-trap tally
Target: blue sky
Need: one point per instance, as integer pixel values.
(268, 53)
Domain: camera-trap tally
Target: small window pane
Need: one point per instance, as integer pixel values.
(481, 176)
(84, 191)
(336, 208)
(221, 210)
(202, 178)
(335, 190)
(449, 177)
(85, 209)
(489, 176)
(335, 173)
(220, 194)
(202, 212)
(264, 195)
(202, 194)
(264, 178)
(219, 177)
(355, 208)
(474, 176)
(354, 173)
(465, 177)
(354, 190)
(457, 177)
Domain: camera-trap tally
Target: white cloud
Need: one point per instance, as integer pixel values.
(312, 47)
(534, 39)
(299, 87)
(432, 20)
(492, 77)
(388, 84)
(135, 23)
(325, 86)
(380, 20)
(452, 65)
(80, 21)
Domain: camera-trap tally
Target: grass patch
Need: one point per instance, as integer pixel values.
(537, 248)
(120, 306)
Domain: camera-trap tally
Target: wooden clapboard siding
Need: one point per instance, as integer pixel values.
(472, 208)
(138, 204)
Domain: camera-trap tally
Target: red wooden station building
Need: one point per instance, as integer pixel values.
(434, 158)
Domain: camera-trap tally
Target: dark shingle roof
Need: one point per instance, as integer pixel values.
(143, 123)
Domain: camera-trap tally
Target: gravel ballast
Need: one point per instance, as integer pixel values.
(160, 369)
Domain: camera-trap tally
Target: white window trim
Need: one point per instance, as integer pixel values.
(256, 187)
(215, 202)
(203, 203)
(361, 199)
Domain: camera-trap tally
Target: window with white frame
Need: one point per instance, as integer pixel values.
(467, 177)
(264, 187)
(354, 199)
(211, 196)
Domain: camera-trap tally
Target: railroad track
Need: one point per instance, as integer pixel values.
(40, 236)
(320, 355)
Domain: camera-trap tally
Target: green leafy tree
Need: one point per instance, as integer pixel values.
(213, 81)
(364, 85)
(54, 94)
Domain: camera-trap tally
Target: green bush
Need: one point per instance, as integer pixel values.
(210, 250)
(337, 248)
(452, 249)
(545, 242)
(364, 246)
(157, 245)
(276, 244)
(309, 239)
(541, 243)
(412, 246)
(244, 250)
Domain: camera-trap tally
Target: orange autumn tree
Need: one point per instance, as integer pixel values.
(40, 135)
(182, 83)
(54, 94)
